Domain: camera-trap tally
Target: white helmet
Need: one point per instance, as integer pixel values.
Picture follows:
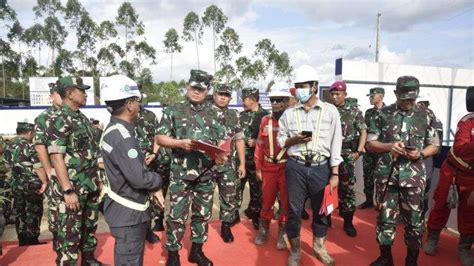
(279, 89)
(304, 74)
(119, 87)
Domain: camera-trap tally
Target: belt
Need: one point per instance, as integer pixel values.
(271, 160)
(308, 163)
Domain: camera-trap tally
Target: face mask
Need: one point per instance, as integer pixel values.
(303, 94)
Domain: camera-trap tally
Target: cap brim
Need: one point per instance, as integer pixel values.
(198, 85)
(279, 94)
(407, 96)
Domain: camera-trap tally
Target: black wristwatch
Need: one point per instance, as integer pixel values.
(361, 153)
(69, 191)
(422, 155)
(334, 174)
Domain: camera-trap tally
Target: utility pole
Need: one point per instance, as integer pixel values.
(377, 44)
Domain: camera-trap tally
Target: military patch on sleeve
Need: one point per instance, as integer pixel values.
(132, 153)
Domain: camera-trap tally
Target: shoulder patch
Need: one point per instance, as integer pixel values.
(132, 153)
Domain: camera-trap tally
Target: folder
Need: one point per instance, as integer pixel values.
(211, 150)
(330, 201)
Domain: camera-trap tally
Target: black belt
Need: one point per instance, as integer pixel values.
(308, 163)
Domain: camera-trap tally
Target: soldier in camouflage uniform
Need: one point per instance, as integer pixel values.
(42, 122)
(146, 127)
(250, 120)
(226, 175)
(403, 135)
(354, 135)
(5, 185)
(29, 181)
(73, 151)
(191, 184)
(370, 159)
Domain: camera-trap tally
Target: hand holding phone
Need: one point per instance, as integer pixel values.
(307, 133)
(410, 148)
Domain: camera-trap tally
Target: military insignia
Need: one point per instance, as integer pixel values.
(132, 153)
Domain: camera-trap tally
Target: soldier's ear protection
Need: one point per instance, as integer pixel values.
(470, 99)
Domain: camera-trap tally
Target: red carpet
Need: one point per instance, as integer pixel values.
(347, 251)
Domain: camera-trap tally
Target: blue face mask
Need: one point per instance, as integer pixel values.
(303, 94)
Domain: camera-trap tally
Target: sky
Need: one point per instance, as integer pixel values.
(425, 32)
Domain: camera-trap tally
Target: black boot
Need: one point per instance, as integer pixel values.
(412, 257)
(151, 237)
(256, 221)
(385, 258)
(369, 203)
(159, 224)
(226, 233)
(173, 258)
(304, 214)
(35, 241)
(197, 256)
(236, 219)
(348, 226)
(329, 220)
(23, 240)
(88, 259)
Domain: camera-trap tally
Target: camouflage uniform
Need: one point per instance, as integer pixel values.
(406, 187)
(4, 185)
(42, 122)
(226, 175)
(72, 134)
(250, 123)
(352, 122)
(370, 159)
(21, 156)
(185, 120)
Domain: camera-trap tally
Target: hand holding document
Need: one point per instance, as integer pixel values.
(330, 201)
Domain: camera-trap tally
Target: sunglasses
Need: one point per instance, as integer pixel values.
(277, 99)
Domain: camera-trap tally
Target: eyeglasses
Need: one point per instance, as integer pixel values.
(196, 88)
(277, 99)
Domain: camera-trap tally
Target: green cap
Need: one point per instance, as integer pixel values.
(25, 125)
(200, 79)
(376, 90)
(252, 91)
(71, 82)
(222, 88)
(407, 88)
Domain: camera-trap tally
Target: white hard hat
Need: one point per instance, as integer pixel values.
(304, 74)
(119, 87)
(279, 89)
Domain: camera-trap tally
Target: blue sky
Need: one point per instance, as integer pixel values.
(424, 32)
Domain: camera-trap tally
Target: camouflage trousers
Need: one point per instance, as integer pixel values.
(7, 205)
(369, 163)
(404, 201)
(157, 211)
(183, 195)
(29, 211)
(52, 211)
(75, 230)
(255, 187)
(347, 180)
(227, 184)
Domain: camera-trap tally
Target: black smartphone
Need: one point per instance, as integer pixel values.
(410, 148)
(307, 134)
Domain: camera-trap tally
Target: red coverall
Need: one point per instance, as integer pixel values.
(463, 148)
(273, 173)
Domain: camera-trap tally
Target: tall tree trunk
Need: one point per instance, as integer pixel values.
(171, 72)
(214, 46)
(197, 49)
(126, 40)
(52, 62)
(3, 77)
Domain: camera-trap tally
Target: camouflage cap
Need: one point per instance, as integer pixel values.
(200, 79)
(25, 125)
(222, 88)
(407, 87)
(251, 91)
(70, 82)
(350, 101)
(376, 90)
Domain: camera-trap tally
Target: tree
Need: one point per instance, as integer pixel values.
(86, 38)
(128, 18)
(283, 68)
(192, 31)
(16, 35)
(33, 36)
(64, 62)
(216, 20)
(7, 14)
(172, 46)
(230, 44)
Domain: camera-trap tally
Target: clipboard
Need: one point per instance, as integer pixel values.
(330, 201)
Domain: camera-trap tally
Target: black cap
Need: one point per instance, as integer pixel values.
(200, 79)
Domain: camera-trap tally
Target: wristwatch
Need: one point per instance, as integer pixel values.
(422, 155)
(68, 191)
(360, 152)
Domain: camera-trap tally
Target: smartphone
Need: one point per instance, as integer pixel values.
(410, 148)
(307, 134)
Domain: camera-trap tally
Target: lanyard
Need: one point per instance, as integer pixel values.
(315, 134)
